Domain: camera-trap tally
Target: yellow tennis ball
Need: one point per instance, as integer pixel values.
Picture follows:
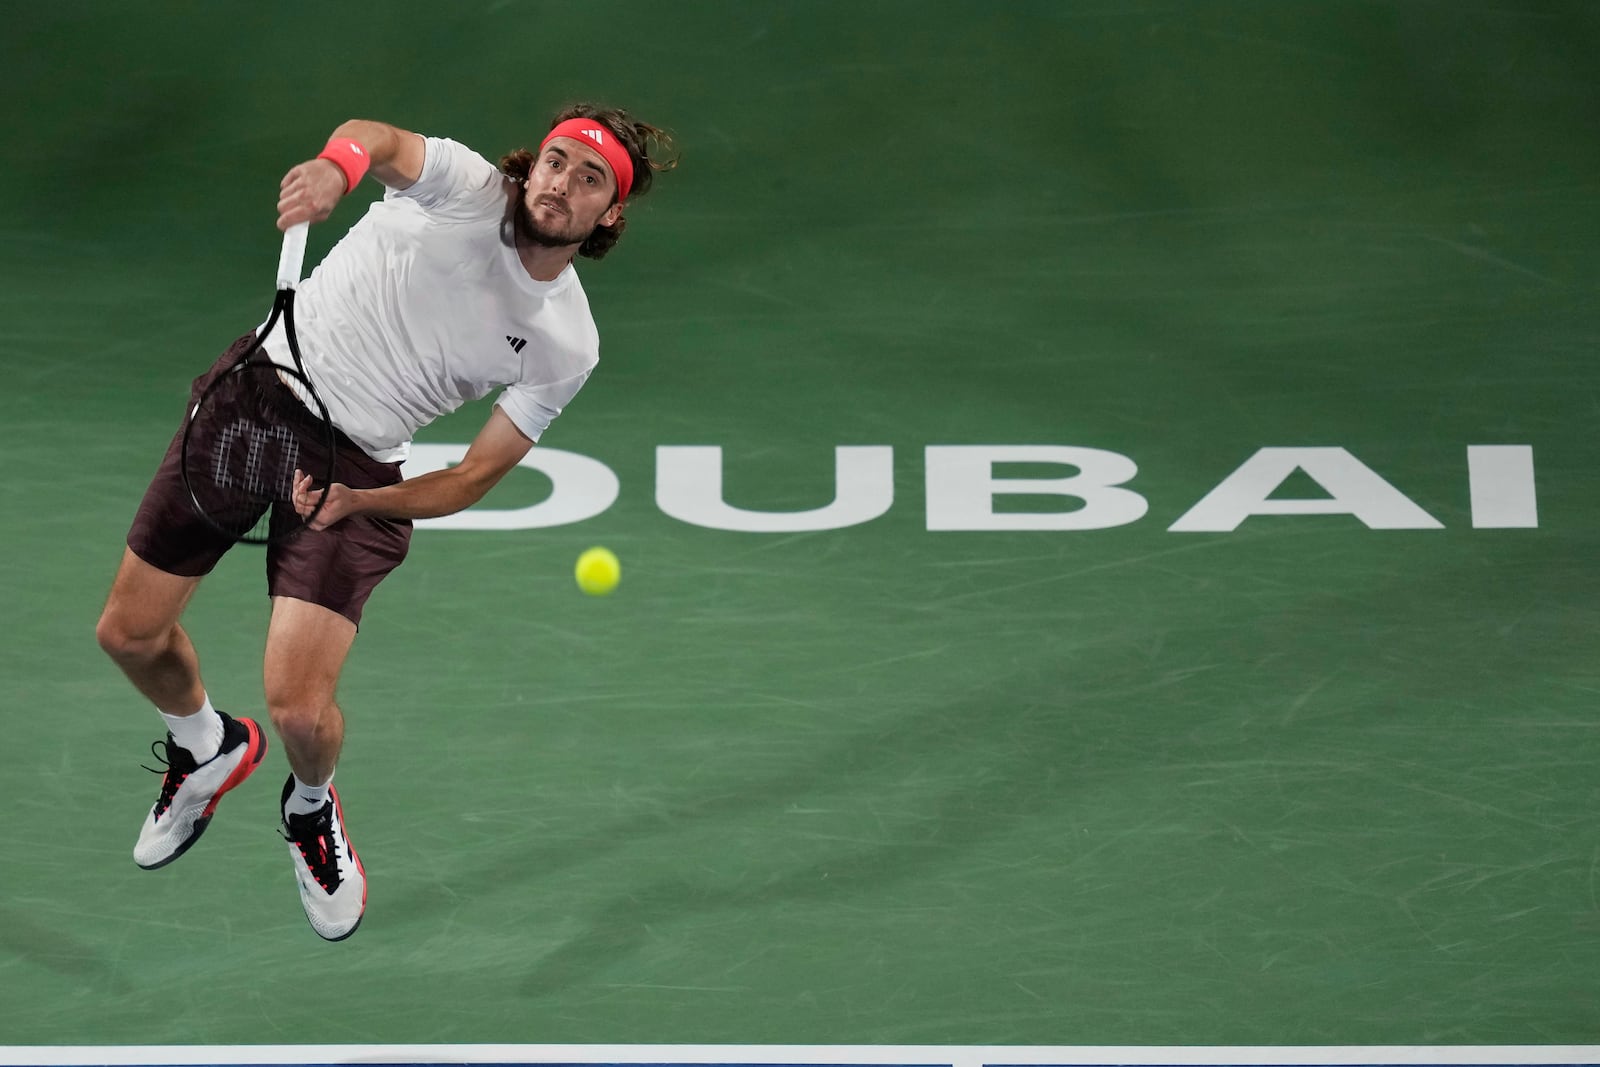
(598, 571)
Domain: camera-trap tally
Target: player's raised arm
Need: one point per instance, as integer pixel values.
(311, 190)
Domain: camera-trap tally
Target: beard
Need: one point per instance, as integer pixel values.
(559, 235)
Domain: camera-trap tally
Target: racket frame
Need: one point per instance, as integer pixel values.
(290, 261)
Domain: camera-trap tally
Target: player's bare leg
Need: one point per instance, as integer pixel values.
(307, 645)
(139, 630)
(206, 752)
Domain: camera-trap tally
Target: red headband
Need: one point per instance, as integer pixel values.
(602, 140)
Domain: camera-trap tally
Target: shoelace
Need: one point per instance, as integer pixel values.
(313, 836)
(178, 766)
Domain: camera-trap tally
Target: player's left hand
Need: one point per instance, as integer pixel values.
(341, 501)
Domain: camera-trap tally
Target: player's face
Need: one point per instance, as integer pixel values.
(569, 193)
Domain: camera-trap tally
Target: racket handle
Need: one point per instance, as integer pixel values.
(294, 255)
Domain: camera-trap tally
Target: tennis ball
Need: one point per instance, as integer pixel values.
(598, 571)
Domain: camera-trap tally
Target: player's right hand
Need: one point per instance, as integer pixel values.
(309, 192)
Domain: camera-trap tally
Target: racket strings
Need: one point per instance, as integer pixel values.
(271, 456)
(247, 437)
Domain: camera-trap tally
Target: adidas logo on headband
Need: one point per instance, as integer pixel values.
(595, 135)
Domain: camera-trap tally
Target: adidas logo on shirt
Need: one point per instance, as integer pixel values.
(516, 343)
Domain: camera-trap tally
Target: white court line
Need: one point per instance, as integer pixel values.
(946, 1055)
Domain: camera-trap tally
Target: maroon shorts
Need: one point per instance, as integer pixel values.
(337, 568)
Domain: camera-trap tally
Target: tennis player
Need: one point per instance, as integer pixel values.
(457, 282)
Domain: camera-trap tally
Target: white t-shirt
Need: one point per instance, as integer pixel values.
(424, 306)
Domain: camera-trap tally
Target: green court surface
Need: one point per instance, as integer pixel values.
(1328, 776)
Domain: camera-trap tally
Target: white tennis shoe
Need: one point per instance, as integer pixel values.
(190, 791)
(333, 885)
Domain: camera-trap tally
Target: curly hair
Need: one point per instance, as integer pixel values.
(650, 147)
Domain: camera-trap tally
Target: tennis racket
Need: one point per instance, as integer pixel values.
(255, 424)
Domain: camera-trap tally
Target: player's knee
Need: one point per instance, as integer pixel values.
(125, 642)
(296, 714)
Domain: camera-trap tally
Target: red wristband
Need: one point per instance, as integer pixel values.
(349, 157)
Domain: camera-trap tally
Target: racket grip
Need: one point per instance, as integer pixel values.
(293, 257)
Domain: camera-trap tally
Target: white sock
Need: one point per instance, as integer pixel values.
(200, 733)
(306, 799)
